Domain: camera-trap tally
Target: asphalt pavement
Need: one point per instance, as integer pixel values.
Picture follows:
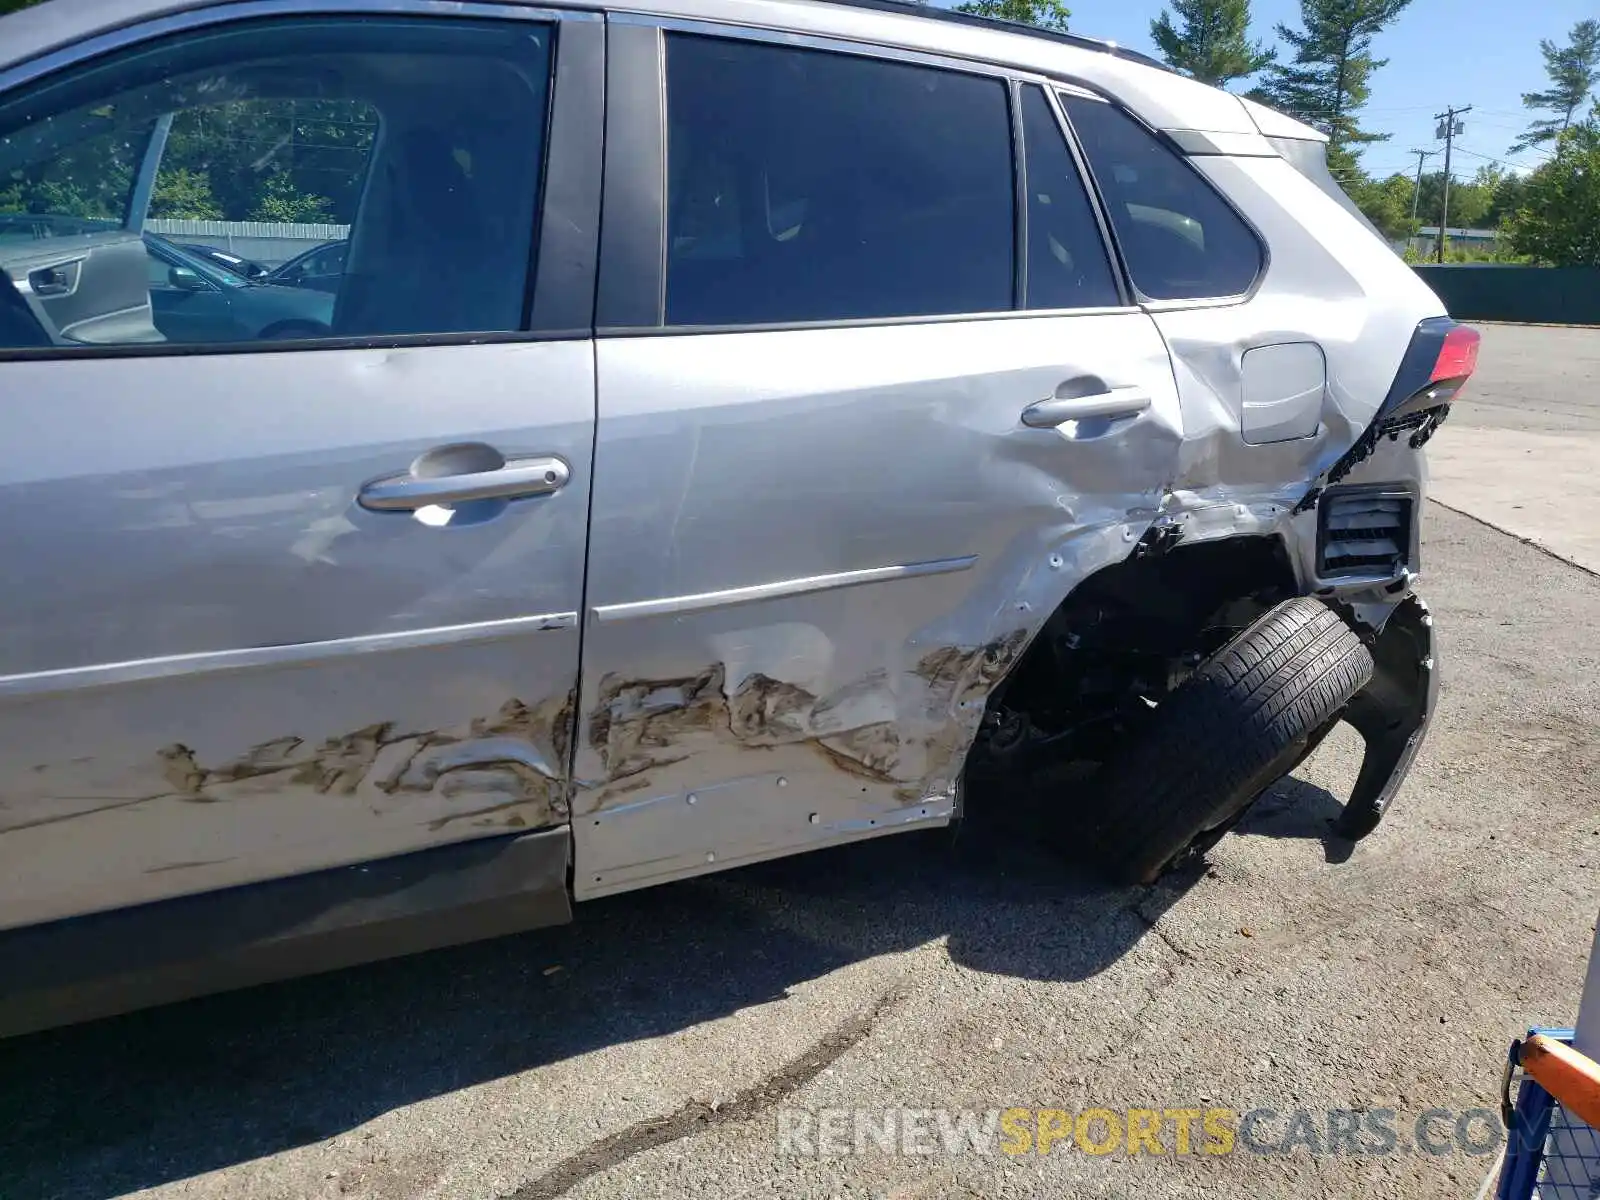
(745, 1035)
(1524, 444)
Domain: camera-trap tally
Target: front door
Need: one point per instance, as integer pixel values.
(278, 606)
(894, 406)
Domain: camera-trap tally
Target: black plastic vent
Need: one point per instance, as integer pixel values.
(1363, 533)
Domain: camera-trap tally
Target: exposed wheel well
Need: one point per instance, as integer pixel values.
(1119, 643)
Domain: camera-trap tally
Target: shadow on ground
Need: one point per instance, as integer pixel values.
(117, 1105)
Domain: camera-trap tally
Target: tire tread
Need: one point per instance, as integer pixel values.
(1282, 679)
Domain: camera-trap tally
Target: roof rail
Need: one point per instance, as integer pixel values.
(914, 8)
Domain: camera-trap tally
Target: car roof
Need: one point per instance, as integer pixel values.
(1163, 98)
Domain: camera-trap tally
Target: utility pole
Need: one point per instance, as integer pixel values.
(1448, 128)
(1416, 192)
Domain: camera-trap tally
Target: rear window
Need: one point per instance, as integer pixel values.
(811, 186)
(1180, 239)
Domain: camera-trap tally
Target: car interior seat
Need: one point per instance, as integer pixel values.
(427, 260)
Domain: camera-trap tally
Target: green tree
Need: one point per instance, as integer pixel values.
(1573, 69)
(1559, 219)
(1387, 204)
(91, 180)
(1509, 194)
(1211, 40)
(7, 6)
(1046, 14)
(1325, 82)
(1472, 201)
(279, 200)
(279, 156)
(185, 194)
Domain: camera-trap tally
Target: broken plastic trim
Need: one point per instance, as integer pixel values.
(1418, 401)
(1392, 713)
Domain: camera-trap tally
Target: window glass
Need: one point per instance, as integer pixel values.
(811, 186)
(1179, 237)
(1067, 263)
(409, 151)
(322, 268)
(83, 187)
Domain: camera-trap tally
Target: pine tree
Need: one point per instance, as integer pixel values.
(1326, 82)
(1558, 221)
(1211, 43)
(1573, 69)
(1046, 14)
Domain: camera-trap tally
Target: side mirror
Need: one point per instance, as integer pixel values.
(185, 279)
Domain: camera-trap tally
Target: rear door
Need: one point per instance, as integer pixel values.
(887, 404)
(278, 606)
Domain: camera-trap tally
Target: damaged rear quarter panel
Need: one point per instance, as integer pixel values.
(1328, 281)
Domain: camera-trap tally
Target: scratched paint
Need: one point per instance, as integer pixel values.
(191, 819)
(493, 756)
(639, 725)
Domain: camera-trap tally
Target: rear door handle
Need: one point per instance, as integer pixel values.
(519, 477)
(1114, 402)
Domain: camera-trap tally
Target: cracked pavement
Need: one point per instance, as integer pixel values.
(647, 1049)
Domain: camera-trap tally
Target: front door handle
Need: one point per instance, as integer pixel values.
(1058, 410)
(518, 477)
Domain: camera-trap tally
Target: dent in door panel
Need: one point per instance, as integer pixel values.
(761, 719)
(641, 725)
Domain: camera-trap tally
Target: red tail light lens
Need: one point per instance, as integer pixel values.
(1458, 357)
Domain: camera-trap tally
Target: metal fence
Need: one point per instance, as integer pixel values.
(1500, 292)
(266, 242)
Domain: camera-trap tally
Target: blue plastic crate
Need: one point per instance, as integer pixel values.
(1550, 1155)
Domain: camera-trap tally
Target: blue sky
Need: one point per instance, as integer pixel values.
(1440, 52)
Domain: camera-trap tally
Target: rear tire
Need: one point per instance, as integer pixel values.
(1242, 721)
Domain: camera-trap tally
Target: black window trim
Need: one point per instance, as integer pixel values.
(1153, 303)
(560, 281)
(1108, 240)
(632, 289)
(1019, 198)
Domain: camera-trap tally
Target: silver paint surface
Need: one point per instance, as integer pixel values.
(217, 667)
(727, 460)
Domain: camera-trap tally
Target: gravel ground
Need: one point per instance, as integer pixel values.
(652, 1048)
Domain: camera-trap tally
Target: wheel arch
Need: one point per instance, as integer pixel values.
(1125, 629)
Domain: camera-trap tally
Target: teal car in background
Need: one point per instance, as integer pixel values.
(193, 300)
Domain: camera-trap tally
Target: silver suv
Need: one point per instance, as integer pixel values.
(741, 424)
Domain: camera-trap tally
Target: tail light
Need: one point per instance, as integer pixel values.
(1441, 357)
(1458, 356)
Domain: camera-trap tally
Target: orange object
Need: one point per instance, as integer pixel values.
(1572, 1078)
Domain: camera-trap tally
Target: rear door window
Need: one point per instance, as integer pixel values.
(805, 185)
(1067, 263)
(1180, 239)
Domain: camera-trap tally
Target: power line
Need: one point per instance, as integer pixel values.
(1506, 159)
